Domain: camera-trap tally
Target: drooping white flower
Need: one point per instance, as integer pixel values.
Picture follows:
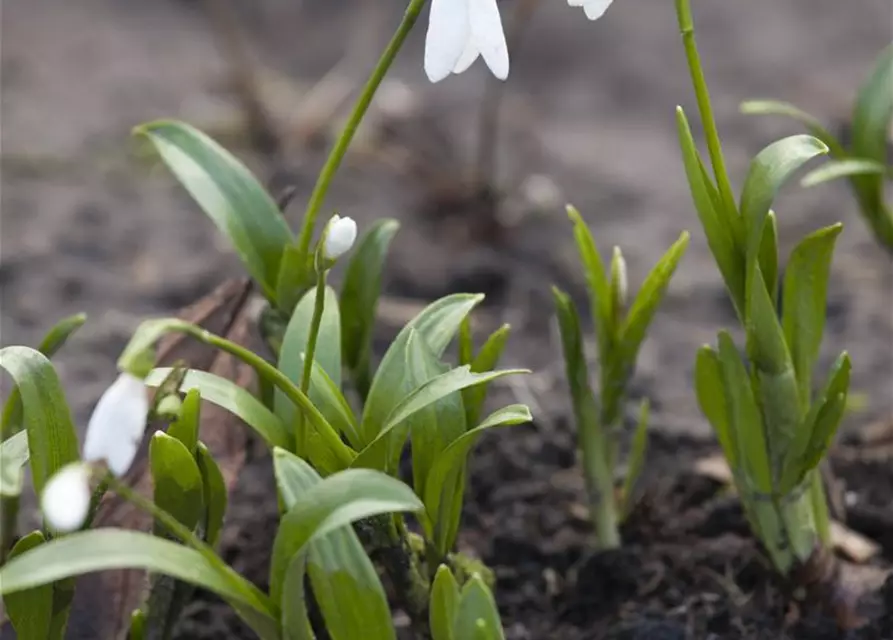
(65, 501)
(594, 9)
(117, 424)
(341, 234)
(461, 30)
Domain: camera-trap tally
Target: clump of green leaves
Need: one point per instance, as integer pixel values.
(620, 330)
(772, 427)
(865, 161)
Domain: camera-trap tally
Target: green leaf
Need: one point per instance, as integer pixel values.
(13, 458)
(596, 278)
(345, 583)
(636, 461)
(777, 108)
(466, 343)
(769, 170)
(719, 225)
(52, 440)
(339, 500)
(874, 110)
(478, 616)
(359, 299)
(108, 549)
(711, 396)
(137, 625)
(803, 305)
(585, 407)
(294, 344)
(214, 494)
(185, 427)
(445, 486)
(768, 256)
(233, 398)
(846, 168)
(486, 360)
(437, 324)
(228, 194)
(766, 346)
(177, 481)
(444, 604)
(294, 279)
(30, 610)
(333, 405)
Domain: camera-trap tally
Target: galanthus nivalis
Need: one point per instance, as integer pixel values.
(461, 30)
(594, 9)
(117, 424)
(65, 500)
(340, 236)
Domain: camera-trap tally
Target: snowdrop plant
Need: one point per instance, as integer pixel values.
(865, 161)
(772, 425)
(620, 328)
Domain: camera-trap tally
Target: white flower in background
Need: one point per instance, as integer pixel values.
(117, 424)
(341, 234)
(594, 9)
(461, 30)
(65, 501)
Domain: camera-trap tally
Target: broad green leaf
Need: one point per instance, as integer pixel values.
(845, 168)
(445, 486)
(766, 346)
(185, 427)
(768, 256)
(374, 456)
(769, 170)
(345, 583)
(233, 398)
(486, 360)
(437, 324)
(177, 481)
(718, 225)
(478, 616)
(30, 610)
(108, 549)
(339, 500)
(13, 458)
(444, 604)
(294, 344)
(215, 495)
(228, 194)
(777, 108)
(333, 405)
(359, 299)
(636, 460)
(711, 396)
(874, 110)
(803, 306)
(744, 417)
(52, 440)
(596, 278)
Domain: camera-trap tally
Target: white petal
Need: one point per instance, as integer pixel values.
(448, 31)
(469, 55)
(340, 237)
(486, 30)
(595, 9)
(117, 424)
(575, 3)
(66, 498)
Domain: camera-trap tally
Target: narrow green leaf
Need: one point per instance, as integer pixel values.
(215, 495)
(768, 256)
(711, 396)
(295, 619)
(339, 500)
(769, 170)
(845, 168)
(575, 361)
(233, 398)
(478, 616)
(177, 480)
(466, 344)
(444, 604)
(30, 610)
(228, 194)
(359, 299)
(766, 346)
(13, 458)
(52, 440)
(777, 108)
(294, 344)
(345, 583)
(486, 360)
(874, 110)
(596, 278)
(185, 427)
(803, 305)
(636, 461)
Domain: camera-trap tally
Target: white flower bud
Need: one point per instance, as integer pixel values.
(116, 427)
(594, 9)
(618, 279)
(341, 234)
(65, 501)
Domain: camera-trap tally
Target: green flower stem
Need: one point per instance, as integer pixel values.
(353, 123)
(687, 29)
(312, 337)
(598, 468)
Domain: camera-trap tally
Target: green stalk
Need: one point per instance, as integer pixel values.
(341, 145)
(598, 468)
(687, 29)
(310, 351)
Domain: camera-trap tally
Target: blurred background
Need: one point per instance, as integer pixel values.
(90, 223)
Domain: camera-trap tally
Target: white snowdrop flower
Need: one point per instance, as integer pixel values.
(461, 30)
(65, 501)
(594, 9)
(340, 237)
(117, 424)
